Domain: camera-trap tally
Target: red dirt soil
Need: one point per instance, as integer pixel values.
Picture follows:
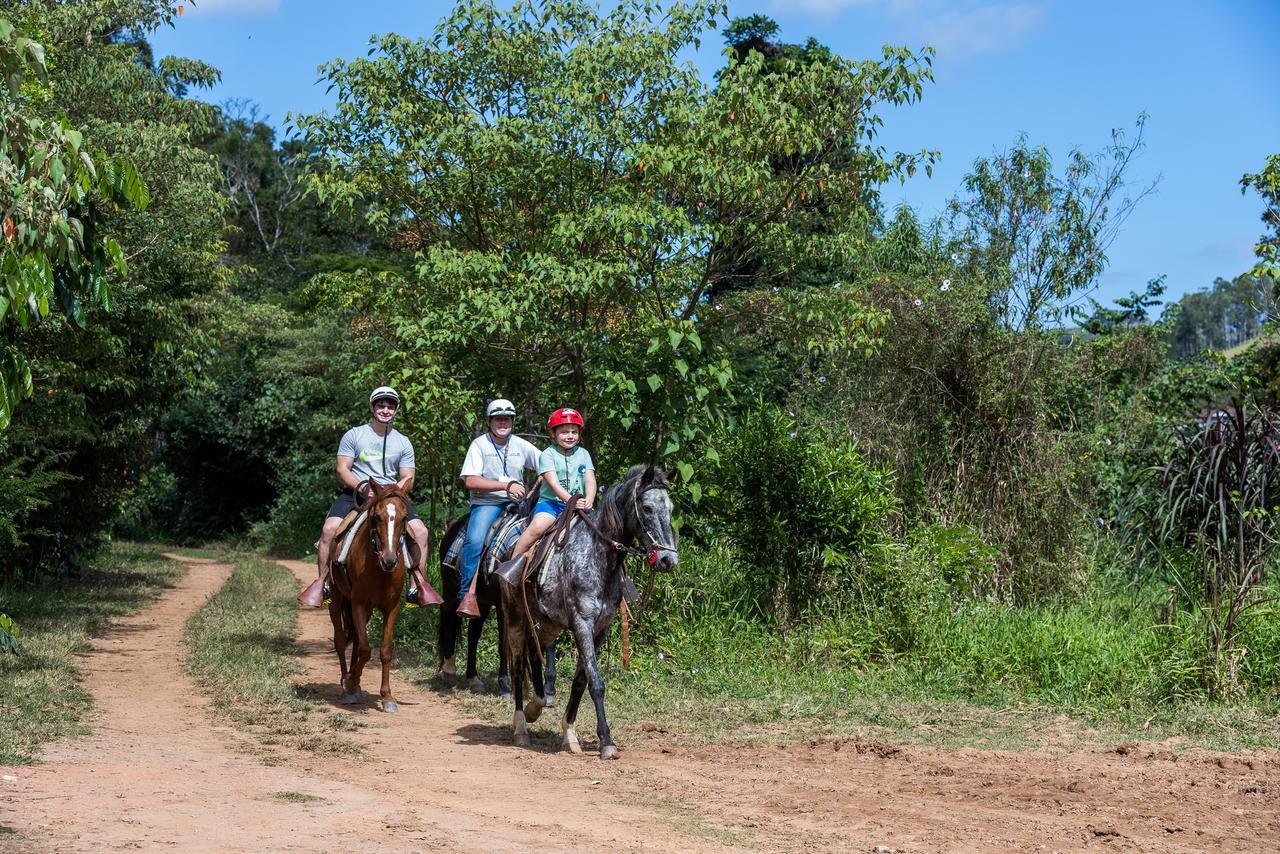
(159, 771)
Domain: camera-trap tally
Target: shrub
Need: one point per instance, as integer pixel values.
(803, 512)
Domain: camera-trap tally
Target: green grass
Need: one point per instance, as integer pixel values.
(241, 649)
(40, 696)
(971, 673)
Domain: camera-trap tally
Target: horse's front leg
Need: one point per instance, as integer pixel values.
(582, 632)
(516, 648)
(549, 673)
(390, 614)
(360, 655)
(475, 627)
(504, 675)
(447, 640)
(568, 732)
(337, 606)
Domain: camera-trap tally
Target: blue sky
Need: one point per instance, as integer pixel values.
(1064, 73)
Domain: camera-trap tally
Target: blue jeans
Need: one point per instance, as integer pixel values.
(482, 518)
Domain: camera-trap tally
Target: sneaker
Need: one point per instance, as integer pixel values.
(326, 594)
(411, 598)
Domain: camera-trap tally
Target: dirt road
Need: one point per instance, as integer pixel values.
(160, 772)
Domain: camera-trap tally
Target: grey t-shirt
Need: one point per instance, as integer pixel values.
(364, 446)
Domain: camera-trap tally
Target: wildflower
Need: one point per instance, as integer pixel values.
(1026, 173)
(791, 414)
(601, 489)
(955, 256)
(793, 435)
(661, 657)
(946, 284)
(695, 671)
(718, 306)
(917, 302)
(837, 286)
(822, 379)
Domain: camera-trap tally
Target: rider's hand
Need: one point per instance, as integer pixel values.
(516, 490)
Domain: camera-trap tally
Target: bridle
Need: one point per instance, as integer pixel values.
(655, 545)
(378, 548)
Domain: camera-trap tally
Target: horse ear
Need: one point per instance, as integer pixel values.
(648, 476)
(403, 484)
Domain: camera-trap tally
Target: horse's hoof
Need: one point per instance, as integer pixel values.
(533, 710)
(448, 674)
(520, 734)
(352, 698)
(550, 699)
(476, 684)
(390, 706)
(569, 738)
(609, 751)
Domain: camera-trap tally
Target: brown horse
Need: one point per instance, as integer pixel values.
(371, 577)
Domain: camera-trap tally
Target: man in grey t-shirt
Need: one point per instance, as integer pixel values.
(377, 452)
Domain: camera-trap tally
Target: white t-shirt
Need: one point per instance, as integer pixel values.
(506, 462)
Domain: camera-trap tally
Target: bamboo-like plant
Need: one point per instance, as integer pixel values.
(1212, 508)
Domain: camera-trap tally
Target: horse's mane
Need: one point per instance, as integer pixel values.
(612, 511)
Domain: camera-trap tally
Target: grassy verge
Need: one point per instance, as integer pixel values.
(40, 697)
(971, 674)
(241, 649)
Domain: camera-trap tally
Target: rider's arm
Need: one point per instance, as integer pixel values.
(345, 474)
(480, 483)
(589, 484)
(554, 483)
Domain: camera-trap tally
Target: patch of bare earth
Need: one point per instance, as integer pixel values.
(160, 772)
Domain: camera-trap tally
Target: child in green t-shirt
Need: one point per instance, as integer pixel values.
(565, 469)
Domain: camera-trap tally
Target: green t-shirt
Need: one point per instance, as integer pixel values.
(569, 469)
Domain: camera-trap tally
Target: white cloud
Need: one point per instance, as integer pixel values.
(232, 7)
(984, 29)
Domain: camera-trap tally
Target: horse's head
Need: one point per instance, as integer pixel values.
(653, 514)
(388, 514)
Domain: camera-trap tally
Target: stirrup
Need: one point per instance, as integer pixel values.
(511, 572)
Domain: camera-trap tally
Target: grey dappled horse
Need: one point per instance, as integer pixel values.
(580, 590)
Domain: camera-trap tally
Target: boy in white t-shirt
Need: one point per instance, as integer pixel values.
(493, 471)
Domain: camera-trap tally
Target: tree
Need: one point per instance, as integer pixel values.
(1267, 185)
(1040, 239)
(74, 451)
(1128, 311)
(574, 194)
(53, 248)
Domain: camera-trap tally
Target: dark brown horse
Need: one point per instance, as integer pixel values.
(371, 577)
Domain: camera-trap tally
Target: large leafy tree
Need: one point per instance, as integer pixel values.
(57, 192)
(574, 195)
(90, 427)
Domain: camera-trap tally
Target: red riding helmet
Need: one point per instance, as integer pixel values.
(564, 416)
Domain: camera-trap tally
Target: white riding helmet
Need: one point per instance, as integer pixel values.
(500, 406)
(384, 391)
